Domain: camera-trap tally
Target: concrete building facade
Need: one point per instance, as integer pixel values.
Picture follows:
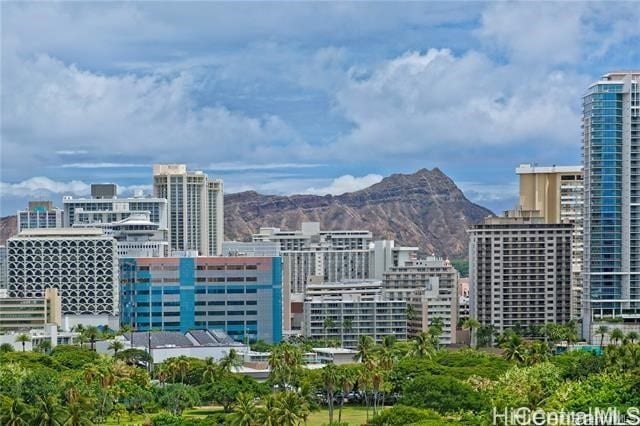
(430, 287)
(39, 214)
(557, 193)
(195, 205)
(520, 272)
(240, 295)
(30, 313)
(82, 264)
(346, 310)
(611, 154)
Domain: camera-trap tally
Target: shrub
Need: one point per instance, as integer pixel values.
(443, 394)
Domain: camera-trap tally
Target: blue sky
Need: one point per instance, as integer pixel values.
(298, 97)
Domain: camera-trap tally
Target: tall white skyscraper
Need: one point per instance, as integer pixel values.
(196, 208)
(611, 136)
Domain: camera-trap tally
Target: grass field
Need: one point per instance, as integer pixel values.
(354, 416)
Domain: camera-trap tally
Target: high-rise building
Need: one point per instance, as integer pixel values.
(430, 287)
(30, 313)
(611, 154)
(333, 255)
(39, 214)
(104, 207)
(81, 263)
(520, 271)
(557, 194)
(196, 208)
(240, 295)
(4, 279)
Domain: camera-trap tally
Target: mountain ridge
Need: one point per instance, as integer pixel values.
(424, 209)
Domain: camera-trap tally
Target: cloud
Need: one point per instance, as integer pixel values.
(101, 165)
(151, 117)
(346, 183)
(40, 186)
(72, 152)
(436, 103)
(234, 166)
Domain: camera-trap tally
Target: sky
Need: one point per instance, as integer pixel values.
(300, 97)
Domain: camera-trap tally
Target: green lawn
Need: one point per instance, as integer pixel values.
(353, 415)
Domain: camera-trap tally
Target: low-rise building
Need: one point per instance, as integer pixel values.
(29, 313)
(346, 310)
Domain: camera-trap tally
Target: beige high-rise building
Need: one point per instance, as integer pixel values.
(556, 193)
(196, 208)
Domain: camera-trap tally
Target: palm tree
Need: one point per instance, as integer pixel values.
(182, 367)
(470, 324)
(78, 415)
(330, 379)
(268, 414)
(211, 369)
(92, 334)
(602, 330)
(327, 324)
(13, 412)
(537, 352)
(82, 339)
(347, 326)
(422, 346)
(231, 361)
(347, 381)
(44, 346)
(115, 346)
(6, 347)
(513, 349)
(23, 338)
(244, 410)
(365, 346)
(48, 412)
(632, 336)
(290, 409)
(410, 312)
(616, 335)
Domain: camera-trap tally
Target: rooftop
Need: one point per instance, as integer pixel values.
(60, 232)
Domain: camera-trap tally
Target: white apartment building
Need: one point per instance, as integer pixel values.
(334, 255)
(430, 287)
(195, 205)
(4, 279)
(520, 271)
(346, 310)
(39, 214)
(81, 263)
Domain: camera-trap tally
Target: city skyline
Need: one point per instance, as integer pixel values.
(278, 99)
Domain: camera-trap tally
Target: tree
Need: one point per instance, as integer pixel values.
(176, 397)
(410, 312)
(226, 389)
(435, 331)
(632, 336)
(616, 335)
(470, 324)
(92, 334)
(133, 356)
(290, 409)
(364, 349)
(422, 346)
(285, 363)
(79, 414)
(347, 326)
(536, 352)
(44, 346)
(347, 377)
(330, 381)
(211, 369)
(602, 330)
(327, 324)
(5, 348)
(23, 338)
(513, 348)
(49, 412)
(13, 412)
(244, 410)
(442, 393)
(116, 346)
(231, 361)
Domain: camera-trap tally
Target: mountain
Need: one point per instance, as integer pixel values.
(424, 209)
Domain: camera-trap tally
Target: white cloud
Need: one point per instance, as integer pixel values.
(150, 115)
(436, 102)
(346, 183)
(235, 166)
(41, 186)
(72, 152)
(101, 165)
